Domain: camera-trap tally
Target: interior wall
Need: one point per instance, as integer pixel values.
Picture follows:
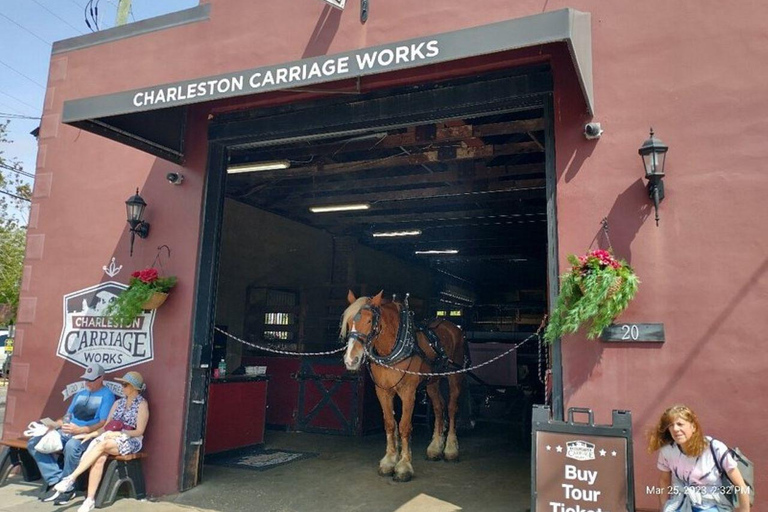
(262, 249)
(266, 250)
(382, 271)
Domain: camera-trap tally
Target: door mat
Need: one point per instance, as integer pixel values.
(257, 458)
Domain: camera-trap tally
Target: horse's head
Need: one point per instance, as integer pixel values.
(359, 325)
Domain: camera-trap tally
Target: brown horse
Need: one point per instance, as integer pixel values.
(373, 330)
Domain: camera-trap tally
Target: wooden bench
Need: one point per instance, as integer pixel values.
(118, 470)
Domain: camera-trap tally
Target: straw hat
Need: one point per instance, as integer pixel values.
(134, 379)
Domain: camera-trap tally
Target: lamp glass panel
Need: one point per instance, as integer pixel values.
(651, 163)
(135, 211)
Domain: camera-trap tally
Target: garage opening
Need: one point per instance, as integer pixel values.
(436, 193)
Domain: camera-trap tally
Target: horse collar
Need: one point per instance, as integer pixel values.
(404, 342)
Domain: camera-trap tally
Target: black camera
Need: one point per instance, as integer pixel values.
(174, 178)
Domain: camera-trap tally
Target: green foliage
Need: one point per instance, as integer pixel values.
(130, 304)
(14, 206)
(592, 294)
(12, 242)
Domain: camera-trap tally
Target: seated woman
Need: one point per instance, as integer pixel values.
(690, 479)
(122, 435)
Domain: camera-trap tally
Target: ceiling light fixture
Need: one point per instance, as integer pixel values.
(441, 251)
(389, 234)
(339, 208)
(273, 165)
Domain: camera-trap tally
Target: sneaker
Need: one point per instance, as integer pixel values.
(87, 505)
(66, 485)
(44, 488)
(50, 495)
(64, 498)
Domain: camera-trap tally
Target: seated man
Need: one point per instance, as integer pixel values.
(88, 412)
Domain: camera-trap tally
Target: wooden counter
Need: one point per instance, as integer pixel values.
(236, 412)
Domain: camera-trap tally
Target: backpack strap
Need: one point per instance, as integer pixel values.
(718, 460)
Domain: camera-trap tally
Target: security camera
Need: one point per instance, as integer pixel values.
(592, 131)
(174, 178)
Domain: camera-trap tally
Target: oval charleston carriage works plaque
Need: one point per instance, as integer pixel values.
(87, 336)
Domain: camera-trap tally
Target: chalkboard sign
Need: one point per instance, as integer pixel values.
(633, 333)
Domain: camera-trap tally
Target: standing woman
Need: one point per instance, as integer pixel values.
(122, 435)
(690, 480)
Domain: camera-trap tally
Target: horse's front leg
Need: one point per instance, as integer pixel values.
(452, 442)
(404, 468)
(388, 462)
(436, 447)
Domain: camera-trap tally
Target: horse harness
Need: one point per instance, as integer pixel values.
(406, 342)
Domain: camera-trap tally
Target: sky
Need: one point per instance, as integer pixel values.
(27, 30)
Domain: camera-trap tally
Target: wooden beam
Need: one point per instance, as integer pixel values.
(480, 173)
(396, 220)
(456, 192)
(402, 159)
(414, 136)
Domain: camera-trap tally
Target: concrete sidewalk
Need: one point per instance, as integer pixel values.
(23, 498)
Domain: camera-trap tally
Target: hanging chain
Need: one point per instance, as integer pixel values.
(454, 372)
(158, 260)
(605, 232)
(276, 351)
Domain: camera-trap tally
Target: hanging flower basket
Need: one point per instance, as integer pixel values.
(155, 301)
(146, 290)
(596, 290)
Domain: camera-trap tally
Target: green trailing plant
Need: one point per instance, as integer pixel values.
(593, 293)
(133, 301)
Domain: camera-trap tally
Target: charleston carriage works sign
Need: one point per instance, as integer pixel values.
(89, 337)
(565, 25)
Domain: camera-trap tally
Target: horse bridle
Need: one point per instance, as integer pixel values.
(367, 339)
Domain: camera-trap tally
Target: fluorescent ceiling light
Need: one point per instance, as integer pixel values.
(259, 166)
(441, 251)
(413, 232)
(339, 208)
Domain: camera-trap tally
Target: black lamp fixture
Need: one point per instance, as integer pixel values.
(135, 209)
(654, 153)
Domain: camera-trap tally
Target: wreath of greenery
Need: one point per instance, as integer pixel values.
(130, 304)
(593, 293)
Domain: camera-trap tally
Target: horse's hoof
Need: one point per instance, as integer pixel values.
(402, 477)
(386, 471)
(434, 457)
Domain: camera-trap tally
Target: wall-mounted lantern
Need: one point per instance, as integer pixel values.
(135, 206)
(654, 153)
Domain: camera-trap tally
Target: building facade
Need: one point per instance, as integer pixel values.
(182, 93)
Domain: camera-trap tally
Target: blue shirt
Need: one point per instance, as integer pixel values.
(89, 408)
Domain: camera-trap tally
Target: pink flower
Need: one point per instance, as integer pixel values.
(148, 275)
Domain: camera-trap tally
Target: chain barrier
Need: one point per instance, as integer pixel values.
(283, 352)
(454, 372)
(543, 355)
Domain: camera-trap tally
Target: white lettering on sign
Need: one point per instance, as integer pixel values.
(76, 387)
(560, 507)
(582, 475)
(631, 332)
(332, 67)
(89, 337)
